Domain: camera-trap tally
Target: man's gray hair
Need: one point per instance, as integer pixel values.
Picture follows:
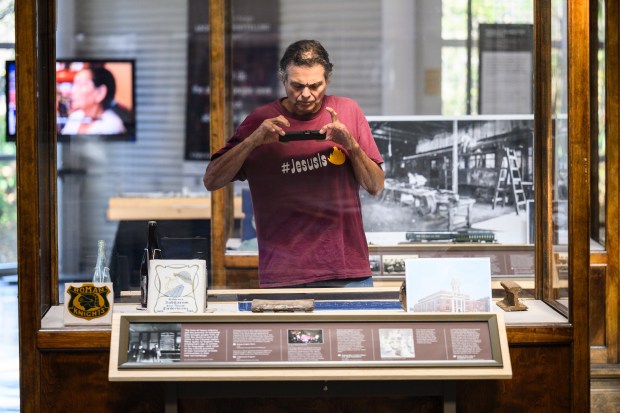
(305, 53)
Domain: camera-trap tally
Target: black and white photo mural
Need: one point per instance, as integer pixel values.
(446, 176)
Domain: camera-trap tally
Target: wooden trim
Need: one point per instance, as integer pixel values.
(241, 261)
(36, 184)
(165, 208)
(579, 191)
(74, 340)
(543, 153)
(599, 258)
(606, 371)
(612, 157)
(523, 335)
(598, 355)
(27, 246)
(220, 110)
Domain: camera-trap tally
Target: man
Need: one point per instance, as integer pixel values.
(305, 194)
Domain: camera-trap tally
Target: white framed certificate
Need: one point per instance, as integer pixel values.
(177, 286)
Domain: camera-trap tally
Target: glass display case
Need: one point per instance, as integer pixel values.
(455, 113)
(472, 168)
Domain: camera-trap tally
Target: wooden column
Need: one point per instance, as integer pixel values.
(220, 128)
(543, 148)
(579, 192)
(36, 184)
(612, 177)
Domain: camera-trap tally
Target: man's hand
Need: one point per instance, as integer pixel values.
(338, 132)
(223, 169)
(269, 131)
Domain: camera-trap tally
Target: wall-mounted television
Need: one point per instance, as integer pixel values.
(11, 116)
(95, 99)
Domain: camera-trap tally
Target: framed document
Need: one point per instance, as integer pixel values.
(177, 286)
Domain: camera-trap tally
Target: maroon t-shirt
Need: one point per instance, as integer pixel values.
(306, 198)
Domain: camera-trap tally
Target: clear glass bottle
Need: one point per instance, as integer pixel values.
(102, 273)
(151, 252)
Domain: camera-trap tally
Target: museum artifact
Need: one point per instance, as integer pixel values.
(511, 300)
(451, 236)
(402, 295)
(282, 306)
(177, 286)
(151, 252)
(102, 273)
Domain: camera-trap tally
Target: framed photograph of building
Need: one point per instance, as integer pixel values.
(448, 285)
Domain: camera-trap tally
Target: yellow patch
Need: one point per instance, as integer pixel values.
(337, 157)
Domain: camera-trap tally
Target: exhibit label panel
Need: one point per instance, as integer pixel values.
(306, 342)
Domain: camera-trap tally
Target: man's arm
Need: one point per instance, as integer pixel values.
(369, 175)
(222, 170)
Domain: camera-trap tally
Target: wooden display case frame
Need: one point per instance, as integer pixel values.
(56, 359)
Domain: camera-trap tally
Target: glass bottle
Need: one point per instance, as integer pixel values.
(102, 273)
(151, 252)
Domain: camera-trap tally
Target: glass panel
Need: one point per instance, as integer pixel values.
(8, 183)
(9, 322)
(599, 205)
(559, 72)
(8, 214)
(113, 181)
(417, 72)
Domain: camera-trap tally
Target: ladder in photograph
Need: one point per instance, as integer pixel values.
(509, 181)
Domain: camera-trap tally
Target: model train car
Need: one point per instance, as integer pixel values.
(450, 236)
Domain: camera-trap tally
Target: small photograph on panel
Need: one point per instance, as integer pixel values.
(375, 264)
(154, 343)
(395, 264)
(396, 343)
(305, 336)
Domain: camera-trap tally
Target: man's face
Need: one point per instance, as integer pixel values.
(305, 89)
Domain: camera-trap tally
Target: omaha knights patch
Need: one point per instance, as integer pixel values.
(88, 303)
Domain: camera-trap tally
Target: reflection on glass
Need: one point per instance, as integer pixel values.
(559, 64)
(599, 207)
(453, 174)
(413, 59)
(416, 74)
(8, 211)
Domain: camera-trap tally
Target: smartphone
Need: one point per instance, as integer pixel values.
(306, 135)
